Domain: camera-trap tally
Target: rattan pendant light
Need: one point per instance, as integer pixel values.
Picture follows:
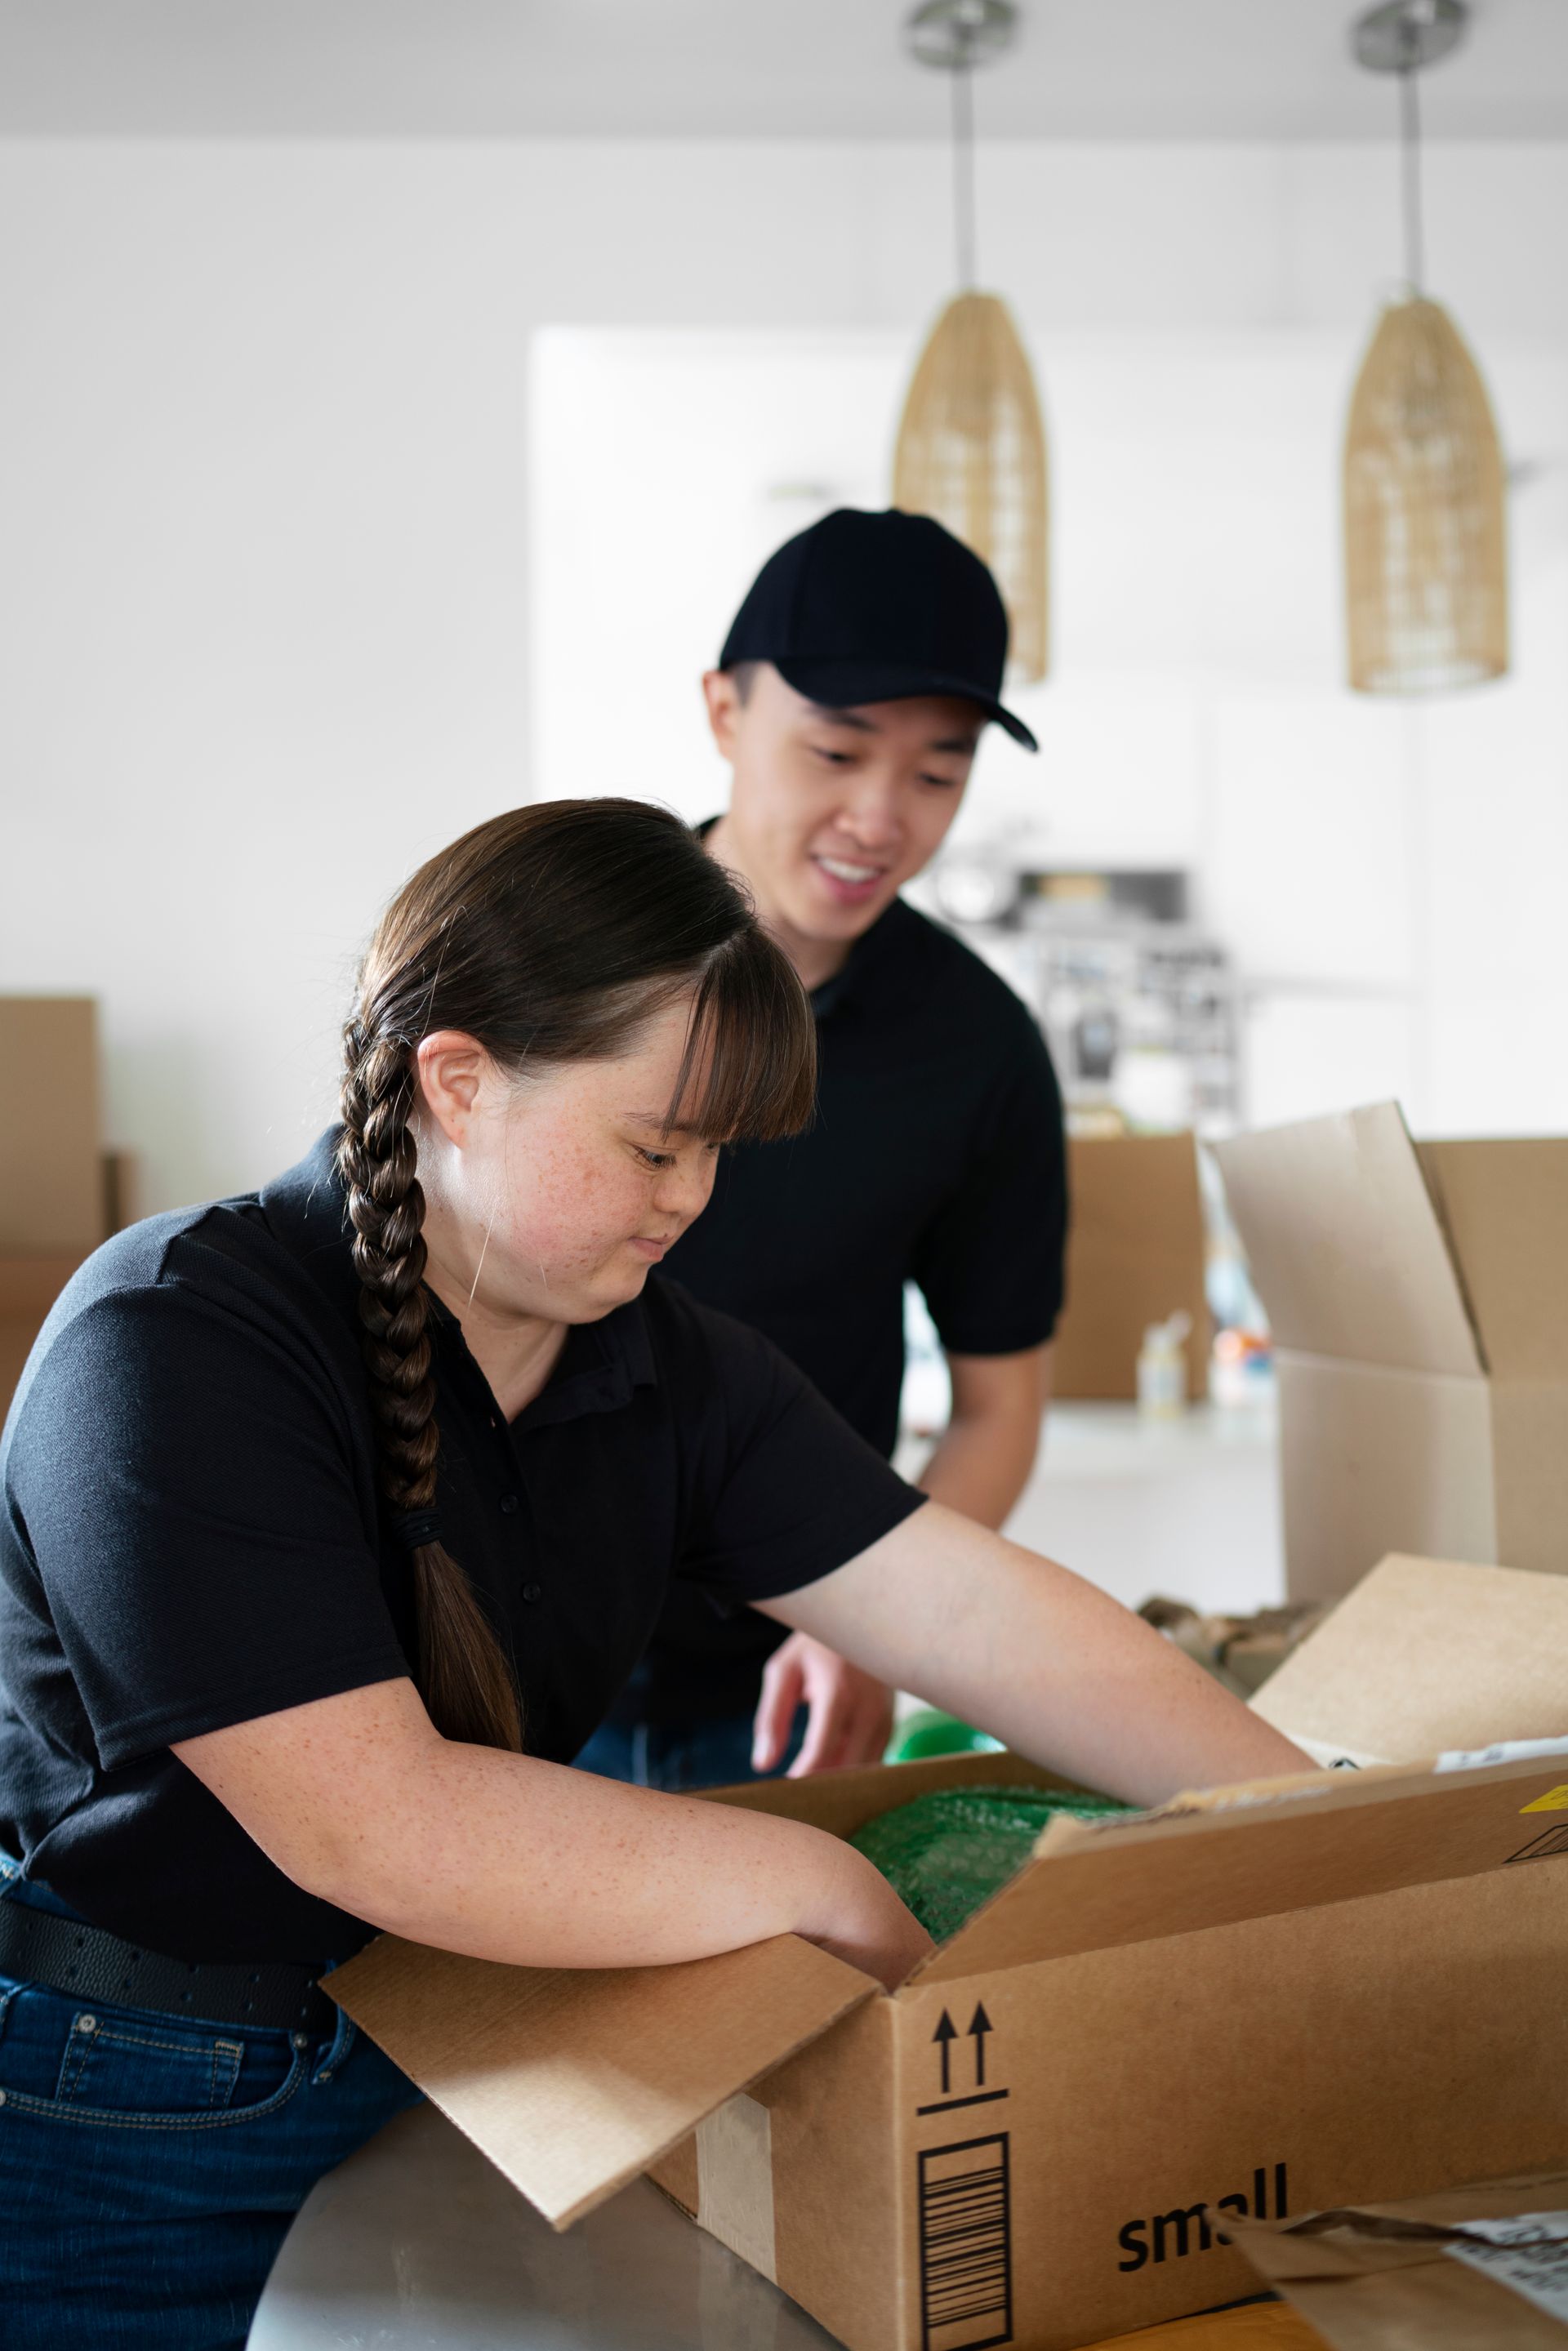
(1425, 531)
(971, 446)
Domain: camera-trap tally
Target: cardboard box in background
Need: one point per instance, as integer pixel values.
(1471, 2269)
(51, 1140)
(60, 1192)
(1265, 2000)
(1419, 1296)
(1136, 1255)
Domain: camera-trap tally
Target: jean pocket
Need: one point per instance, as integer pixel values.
(119, 2065)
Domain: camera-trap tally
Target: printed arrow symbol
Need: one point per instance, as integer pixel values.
(947, 2032)
(979, 2025)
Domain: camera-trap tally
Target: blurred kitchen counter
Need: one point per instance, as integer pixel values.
(1189, 1507)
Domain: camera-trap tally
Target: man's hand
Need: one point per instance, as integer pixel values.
(850, 1715)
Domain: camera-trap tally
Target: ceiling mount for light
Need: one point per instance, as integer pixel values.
(1401, 36)
(957, 34)
(1425, 541)
(971, 446)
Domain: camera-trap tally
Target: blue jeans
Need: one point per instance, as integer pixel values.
(679, 1755)
(150, 2167)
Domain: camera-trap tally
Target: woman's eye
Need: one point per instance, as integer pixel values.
(654, 1158)
(833, 758)
(943, 783)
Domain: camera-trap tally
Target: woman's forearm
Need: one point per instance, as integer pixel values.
(1043, 1660)
(359, 1800)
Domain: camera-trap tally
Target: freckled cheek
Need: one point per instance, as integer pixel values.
(574, 1209)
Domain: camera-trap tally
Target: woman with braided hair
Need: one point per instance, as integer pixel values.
(336, 1515)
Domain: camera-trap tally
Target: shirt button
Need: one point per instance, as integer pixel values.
(508, 1503)
(530, 1592)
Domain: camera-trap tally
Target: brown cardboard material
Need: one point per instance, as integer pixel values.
(28, 1288)
(1265, 2000)
(51, 1150)
(1426, 1654)
(1389, 2277)
(1136, 1252)
(1418, 1294)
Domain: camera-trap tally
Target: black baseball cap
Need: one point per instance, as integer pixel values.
(878, 608)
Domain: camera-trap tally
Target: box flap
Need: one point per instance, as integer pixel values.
(1424, 1655)
(572, 2080)
(1505, 1207)
(1345, 1244)
(1226, 1855)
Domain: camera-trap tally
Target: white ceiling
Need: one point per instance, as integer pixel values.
(1180, 70)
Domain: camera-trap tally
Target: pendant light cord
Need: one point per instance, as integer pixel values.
(963, 173)
(1410, 163)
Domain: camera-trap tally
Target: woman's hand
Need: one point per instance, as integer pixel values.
(862, 1919)
(850, 1718)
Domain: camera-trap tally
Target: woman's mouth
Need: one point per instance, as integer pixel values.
(649, 1246)
(851, 883)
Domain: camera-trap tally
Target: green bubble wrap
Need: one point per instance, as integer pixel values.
(947, 1853)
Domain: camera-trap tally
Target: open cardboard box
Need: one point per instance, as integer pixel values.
(1267, 2000)
(1419, 1296)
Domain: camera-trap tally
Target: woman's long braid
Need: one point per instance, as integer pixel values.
(463, 1677)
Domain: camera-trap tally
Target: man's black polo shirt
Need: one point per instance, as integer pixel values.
(191, 1538)
(936, 1157)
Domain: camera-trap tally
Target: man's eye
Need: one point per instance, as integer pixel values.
(943, 783)
(833, 758)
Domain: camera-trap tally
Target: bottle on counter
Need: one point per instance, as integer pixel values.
(1162, 1368)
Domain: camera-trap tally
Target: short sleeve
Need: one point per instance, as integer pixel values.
(786, 1491)
(185, 1491)
(989, 1263)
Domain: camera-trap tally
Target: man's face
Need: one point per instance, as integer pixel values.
(833, 810)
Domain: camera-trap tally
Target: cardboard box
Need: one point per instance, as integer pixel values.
(1418, 1294)
(1136, 1255)
(1267, 2000)
(51, 1147)
(1473, 2269)
(1426, 1654)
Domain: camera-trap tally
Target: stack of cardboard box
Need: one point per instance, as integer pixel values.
(60, 1196)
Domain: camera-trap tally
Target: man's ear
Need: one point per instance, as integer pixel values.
(722, 696)
(451, 1069)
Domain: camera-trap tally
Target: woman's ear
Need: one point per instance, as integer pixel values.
(452, 1068)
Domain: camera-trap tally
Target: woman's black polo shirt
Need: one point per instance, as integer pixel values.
(191, 1538)
(937, 1156)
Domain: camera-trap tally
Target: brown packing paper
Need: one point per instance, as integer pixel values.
(1135, 1253)
(1384, 2277)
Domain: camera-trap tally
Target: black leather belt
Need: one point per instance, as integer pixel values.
(64, 1955)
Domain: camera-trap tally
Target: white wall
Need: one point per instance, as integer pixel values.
(264, 518)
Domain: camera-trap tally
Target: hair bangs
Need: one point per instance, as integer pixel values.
(749, 1073)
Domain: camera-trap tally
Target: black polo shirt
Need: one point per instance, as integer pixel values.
(191, 1538)
(936, 1157)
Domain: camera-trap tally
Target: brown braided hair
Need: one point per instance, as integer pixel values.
(548, 935)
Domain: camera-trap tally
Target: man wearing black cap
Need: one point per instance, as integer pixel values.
(849, 696)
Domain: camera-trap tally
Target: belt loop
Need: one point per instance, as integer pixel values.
(337, 2051)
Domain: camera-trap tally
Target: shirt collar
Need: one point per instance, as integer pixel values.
(598, 1369)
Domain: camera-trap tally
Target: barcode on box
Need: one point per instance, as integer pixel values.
(966, 2245)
